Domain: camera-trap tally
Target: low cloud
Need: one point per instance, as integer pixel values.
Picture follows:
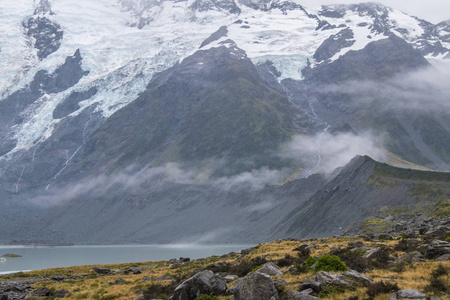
(321, 153)
(325, 152)
(425, 90)
(155, 178)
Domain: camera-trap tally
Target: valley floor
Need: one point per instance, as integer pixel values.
(394, 264)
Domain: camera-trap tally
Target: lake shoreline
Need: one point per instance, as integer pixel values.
(48, 257)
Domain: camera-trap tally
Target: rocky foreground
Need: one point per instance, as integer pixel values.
(413, 265)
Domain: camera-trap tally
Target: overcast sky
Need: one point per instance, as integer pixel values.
(434, 11)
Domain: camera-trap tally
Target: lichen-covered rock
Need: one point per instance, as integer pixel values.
(407, 295)
(42, 292)
(444, 257)
(437, 248)
(412, 257)
(204, 282)
(255, 286)
(349, 278)
(270, 269)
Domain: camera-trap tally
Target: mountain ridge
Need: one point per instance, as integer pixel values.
(206, 95)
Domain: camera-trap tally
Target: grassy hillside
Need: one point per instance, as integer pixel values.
(162, 277)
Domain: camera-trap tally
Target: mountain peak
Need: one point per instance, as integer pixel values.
(43, 8)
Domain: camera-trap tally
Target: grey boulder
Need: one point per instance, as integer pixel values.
(255, 286)
(270, 269)
(412, 257)
(349, 278)
(204, 282)
(407, 295)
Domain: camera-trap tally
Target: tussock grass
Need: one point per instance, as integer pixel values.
(93, 286)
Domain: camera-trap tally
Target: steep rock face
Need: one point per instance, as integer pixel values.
(46, 35)
(213, 105)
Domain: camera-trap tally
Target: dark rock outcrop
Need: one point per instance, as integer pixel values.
(45, 34)
(334, 44)
(101, 271)
(62, 293)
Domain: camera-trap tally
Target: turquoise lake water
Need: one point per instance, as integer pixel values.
(36, 258)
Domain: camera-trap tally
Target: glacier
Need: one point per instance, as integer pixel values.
(124, 43)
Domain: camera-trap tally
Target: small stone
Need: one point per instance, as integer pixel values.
(134, 271)
(118, 281)
(230, 278)
(101, 271)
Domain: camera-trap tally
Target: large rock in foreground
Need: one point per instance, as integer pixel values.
(201, 283)
(255, 286)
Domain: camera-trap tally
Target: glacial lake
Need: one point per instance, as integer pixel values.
(37, 258)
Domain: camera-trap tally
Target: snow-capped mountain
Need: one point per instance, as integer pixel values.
(89, 88)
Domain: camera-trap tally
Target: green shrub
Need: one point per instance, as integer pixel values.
(447, 239)
(310, 261)
(353, 259)
(330, 263)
